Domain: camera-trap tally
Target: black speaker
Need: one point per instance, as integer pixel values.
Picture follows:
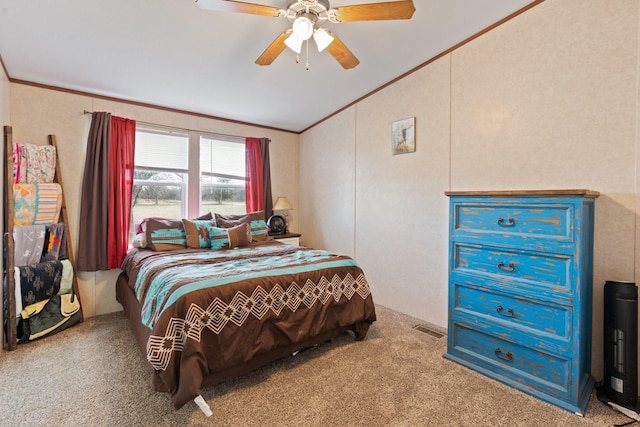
(621, 342)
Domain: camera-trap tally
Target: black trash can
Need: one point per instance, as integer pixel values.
(621, 342)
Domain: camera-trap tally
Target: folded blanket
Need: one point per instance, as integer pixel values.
(17, 290)
(50, 316)
(39, 281)
(17, 296)
(29, 243)
(41, 162)
(55, 241)
(34, 163)
(66, 282)
(37, 203)
(19, 164)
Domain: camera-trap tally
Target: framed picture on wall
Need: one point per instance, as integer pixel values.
(403, 136)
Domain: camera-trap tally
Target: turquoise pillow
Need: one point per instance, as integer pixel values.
(224, 238)
(197, 232)
(165, 234)
(259, 230)
(218, 238)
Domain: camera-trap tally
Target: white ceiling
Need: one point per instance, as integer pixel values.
(173, 54)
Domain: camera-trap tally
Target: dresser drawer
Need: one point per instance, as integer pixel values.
(537, 269)
(509, 362)
(515, 220)
(526, 314)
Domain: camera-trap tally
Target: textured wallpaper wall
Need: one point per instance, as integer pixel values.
(548, 100)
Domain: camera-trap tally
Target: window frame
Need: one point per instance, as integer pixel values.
(191, 193)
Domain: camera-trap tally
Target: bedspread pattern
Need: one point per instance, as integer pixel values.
(163, 280)
(210, 312)
(218, 314)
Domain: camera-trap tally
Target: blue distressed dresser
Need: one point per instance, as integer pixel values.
(520, 290)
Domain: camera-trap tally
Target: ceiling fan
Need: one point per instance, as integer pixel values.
(307, 18)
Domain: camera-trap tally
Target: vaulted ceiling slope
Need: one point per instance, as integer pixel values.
(173, 54)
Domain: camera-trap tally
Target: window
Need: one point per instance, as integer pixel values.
(222, 175)
(173, 166)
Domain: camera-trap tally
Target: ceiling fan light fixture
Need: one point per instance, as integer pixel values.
(303, 27)
(323, 38)
(294, 42)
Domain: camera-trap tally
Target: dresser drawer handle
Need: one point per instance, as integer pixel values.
(510, 268)
(508, 223)
(508, 356)
(506, 313)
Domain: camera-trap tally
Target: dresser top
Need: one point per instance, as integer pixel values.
(520, 193)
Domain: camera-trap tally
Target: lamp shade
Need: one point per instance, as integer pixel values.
(323, 38)
(294, 43)
(282, 204)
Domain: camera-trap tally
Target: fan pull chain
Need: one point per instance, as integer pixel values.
(307, 66)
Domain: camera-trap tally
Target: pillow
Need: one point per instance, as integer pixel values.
(218, 238)
(140, 241)
(141, 225)
(252, 216)
(225, 238)
(165, 234)
(239, 235)
(197, 232)
(228, 221)
(259, 230)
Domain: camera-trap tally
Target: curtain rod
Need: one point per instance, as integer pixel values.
(177, 128)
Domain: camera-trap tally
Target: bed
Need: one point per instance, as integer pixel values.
(205, 315)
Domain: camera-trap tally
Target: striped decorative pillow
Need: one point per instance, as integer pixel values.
(165, 234)
(259, 230)
(257, 227)
(225, 238)
(197, 233)
(218, 238)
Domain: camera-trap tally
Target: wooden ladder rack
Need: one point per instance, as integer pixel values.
(9, 210)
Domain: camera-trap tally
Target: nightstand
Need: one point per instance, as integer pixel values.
(289, 238)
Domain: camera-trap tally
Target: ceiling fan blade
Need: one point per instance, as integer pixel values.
(376, 11)
(342, 54)
(275, 48)
(239, 7)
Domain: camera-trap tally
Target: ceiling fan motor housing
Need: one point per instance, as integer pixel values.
(317, 8)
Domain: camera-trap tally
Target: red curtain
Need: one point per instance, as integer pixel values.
(121, 166)
(254, 184)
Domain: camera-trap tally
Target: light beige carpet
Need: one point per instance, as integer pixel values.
(93, 374)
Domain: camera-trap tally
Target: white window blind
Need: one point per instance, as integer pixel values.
(162, 150)
(222, 158)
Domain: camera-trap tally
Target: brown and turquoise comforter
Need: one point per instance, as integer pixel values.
(212, 315)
